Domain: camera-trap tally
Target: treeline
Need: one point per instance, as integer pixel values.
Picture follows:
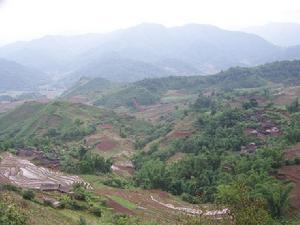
(79, 160)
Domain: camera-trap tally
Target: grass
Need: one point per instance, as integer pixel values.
(39, 214)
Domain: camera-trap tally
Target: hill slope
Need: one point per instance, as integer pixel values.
(57, 119)
(14, 76)
(149, 91)
(89, 87)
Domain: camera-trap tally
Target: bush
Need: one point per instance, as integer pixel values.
(297, 160)
(77, 205)
(80, 194)
(28, 195)
(189, 198)
(10, 187)
(96, 211)
(116, 182)
(10, 213)
(81, 221)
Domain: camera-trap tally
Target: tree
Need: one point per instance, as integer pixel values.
(28, 195)
(277, 197)
(244, 208)
(81, 221)
(10, 213)
(294, 106)
(153, 174)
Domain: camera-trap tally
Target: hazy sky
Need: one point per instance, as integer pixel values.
(27, 19)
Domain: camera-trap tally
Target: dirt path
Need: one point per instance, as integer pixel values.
(193, 211)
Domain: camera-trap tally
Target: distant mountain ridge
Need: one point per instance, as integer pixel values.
(146, 51)
(15, 77)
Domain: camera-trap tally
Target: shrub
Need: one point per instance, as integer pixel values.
(81, 221)
(96, 211)
(80, 194)
(28, 195)
(297, 160)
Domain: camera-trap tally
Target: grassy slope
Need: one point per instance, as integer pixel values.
(34, 119)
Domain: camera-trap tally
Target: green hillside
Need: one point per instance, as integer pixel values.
(61, 119)
(89, 87)
(149, 91)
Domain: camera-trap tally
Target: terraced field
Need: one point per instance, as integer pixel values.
(23, 173)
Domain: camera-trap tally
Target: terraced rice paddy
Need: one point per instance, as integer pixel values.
(23, 173)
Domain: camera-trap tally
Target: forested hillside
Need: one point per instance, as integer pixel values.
(150, 91)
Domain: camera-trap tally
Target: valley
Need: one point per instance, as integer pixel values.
(157, 150)
(151, 124)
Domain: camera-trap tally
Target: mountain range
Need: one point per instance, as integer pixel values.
(145, 51)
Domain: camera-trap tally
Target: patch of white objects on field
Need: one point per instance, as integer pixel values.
(23, 173)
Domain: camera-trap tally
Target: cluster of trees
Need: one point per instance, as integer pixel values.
(11, 213)
(79, 160)
(294, 106)
(214, 171)
(76, 131)
(292, 133)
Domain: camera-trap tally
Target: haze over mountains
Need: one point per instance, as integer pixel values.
(147, 50)
(282, 34)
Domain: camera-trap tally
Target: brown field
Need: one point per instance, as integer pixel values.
(287, 95)
(292, 173)
(155, 204)
(154, 113)
(106, 144)
(292, 153)
(7, 106)
(78, 99)
(118, 208)
(179, 134)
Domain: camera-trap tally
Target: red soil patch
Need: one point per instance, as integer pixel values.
(292, 173)
(92, 140)
(118, 208)
(137, 106)
(292, 153)
(180, 134)
(106, 145)
(175, 93)
(129, 170)
(106, 126)
(78, 99)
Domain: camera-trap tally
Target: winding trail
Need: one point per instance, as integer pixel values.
(217, 213)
